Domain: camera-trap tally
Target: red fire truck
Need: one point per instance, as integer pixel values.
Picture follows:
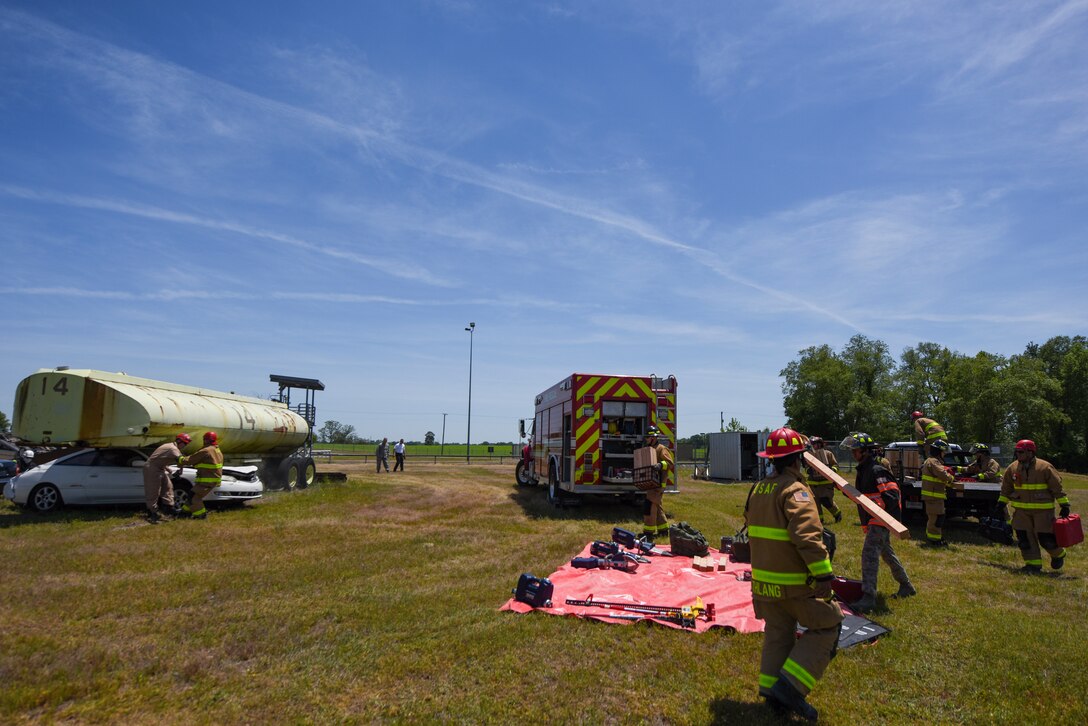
(586, 429)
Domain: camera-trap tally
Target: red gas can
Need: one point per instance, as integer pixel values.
(1068, 531)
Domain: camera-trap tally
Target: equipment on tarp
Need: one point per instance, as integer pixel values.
(741, 551)
(623, 563)
(687, 541)
(627, 538)
(600, 548)
(996, 529)
(534, 591)
(856, 630)
(1068, 530)
(683, 615)
(845, 590)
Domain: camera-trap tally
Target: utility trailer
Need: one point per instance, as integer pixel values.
(586, 429)
(977, 499)
(62, 407)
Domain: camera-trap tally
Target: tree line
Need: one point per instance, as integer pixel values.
(1040, 394)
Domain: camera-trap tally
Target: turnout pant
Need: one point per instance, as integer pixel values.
(824, 494)
(877, 547)
(1035, 531)
(199, 492)
(934, 516)
(157, 485)
(654, 521)
(800, 660)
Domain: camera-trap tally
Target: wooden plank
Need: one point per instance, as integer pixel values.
(646, 456)
(894, 525)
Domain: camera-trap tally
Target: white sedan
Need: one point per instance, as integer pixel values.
(115, 476)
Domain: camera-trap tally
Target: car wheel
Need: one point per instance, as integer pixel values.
(555, 494)
(522, 474)
(45, 499)
(183, 495)
(307, 473)
(288, 474)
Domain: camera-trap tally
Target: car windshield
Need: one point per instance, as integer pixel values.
(84, 459)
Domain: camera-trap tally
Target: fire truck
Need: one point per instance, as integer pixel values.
(586, 429)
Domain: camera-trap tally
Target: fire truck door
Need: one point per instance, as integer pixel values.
(566, 455)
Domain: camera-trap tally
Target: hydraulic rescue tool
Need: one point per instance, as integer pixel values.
(600, 548)
(627, 538)
(623, 562)
(683, 615)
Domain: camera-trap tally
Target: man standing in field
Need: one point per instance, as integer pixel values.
(158, 489)
(381, 455)
(654, 521)
(822, 489)
(791, 579)
(208, 463)
(876, 482)
(398, 451)
(1032, 486)
(936, 478)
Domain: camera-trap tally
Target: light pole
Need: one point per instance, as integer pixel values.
(468, 444)
(442, 451)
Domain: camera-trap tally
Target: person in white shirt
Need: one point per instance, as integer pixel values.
(398, 451)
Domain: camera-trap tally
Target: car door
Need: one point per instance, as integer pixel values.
(116, 477)
(70, 476)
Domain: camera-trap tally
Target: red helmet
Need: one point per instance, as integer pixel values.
(782, 442)
(211, 438)
(183, 438)
(1025, 445)
(917, 414)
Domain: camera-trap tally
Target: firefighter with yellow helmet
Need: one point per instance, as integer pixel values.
(1032, 486)
(983, 467)
(654, 521)
(791, 579)
(936, 480)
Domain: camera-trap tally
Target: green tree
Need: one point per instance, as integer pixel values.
(871, 405)
(428, 438)
(920, 379)
(973, 408)
(5, 425)
(816, 389)
(334, 432)
(735, 425)
(1027, 392)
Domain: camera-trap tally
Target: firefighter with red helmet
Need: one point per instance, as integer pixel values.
(158, 488)
(936, 479)
(654, 521)
(926, 430)
(1032, 486)
(983, 468)
(877, 483)
(823, 489)
(208, 463)
(791, 579)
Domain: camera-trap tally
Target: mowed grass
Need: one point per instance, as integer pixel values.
(376, 600)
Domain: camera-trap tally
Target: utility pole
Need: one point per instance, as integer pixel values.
(468, 444)
(442, 450)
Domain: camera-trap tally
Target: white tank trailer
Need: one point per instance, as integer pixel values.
(66, 407)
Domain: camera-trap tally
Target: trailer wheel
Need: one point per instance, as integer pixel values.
(307, 473)
(288, 474)
(523, 475)
(555, 494)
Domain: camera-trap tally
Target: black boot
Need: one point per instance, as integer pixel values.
(905, 590)
(865, 605)
(788, 696)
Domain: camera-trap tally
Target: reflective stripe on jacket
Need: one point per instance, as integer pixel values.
(208, 463)
(1038, 485)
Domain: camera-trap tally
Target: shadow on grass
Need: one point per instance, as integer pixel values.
(727, 711)
(1015, 571)
(596, 507)
(122, 514)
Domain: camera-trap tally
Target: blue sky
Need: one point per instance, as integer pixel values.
(208, 193)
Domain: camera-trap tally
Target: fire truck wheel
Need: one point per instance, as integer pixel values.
(521, 474)
(555, 494)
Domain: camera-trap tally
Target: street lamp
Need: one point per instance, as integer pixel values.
(468, 445)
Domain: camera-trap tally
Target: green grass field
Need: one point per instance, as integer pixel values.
(422, 450)
(376, 600)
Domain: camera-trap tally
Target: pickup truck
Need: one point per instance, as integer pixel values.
(976, 500)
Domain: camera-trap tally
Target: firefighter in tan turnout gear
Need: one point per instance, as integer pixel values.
(791, 579)
(926, 430)
(983, 467)
(158, 489)
(208, 463)
(654, 521)
(936, 479)
(823, 489)
(1032, 486)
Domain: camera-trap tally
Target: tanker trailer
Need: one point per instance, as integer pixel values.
(66, 407)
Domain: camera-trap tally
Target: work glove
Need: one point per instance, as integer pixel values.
(1064, 511)
(823, 588)
(980, 477)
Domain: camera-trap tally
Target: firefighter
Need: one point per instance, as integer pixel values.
(822, 489)
(926, 430)
(1032, 486)
(936, 478)
(875, 481)
(654, 521)
(791, 579)
(208, 463)
(983, 467)
(158, 488)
